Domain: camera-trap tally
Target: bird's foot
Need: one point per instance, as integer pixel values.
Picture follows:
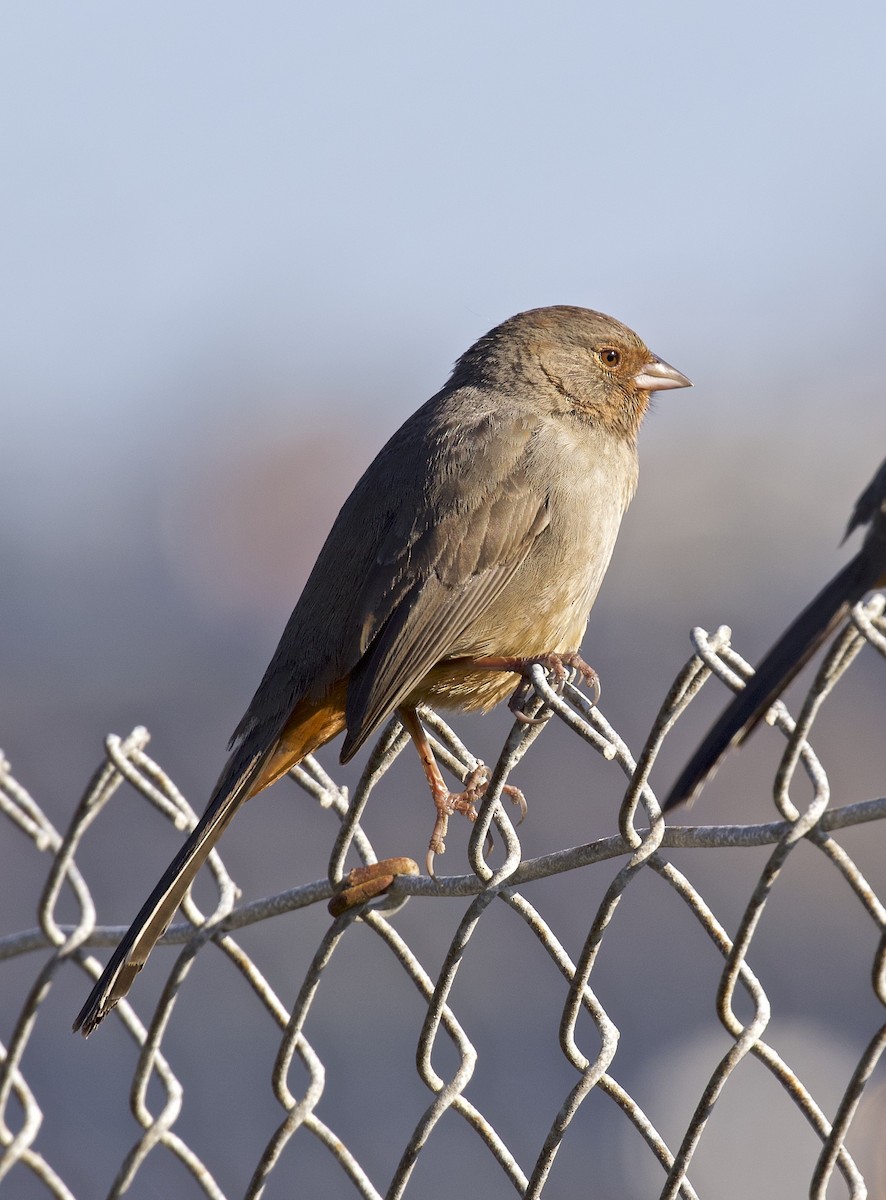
(559, 667)
(464, 802)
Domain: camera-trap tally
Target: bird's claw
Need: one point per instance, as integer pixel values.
(520, 695)
(465, 802)
(559, 666)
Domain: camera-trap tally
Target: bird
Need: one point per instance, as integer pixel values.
(473, 546)
(818, 620)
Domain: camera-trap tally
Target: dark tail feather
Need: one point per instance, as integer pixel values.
(788, 656)
(158, 910)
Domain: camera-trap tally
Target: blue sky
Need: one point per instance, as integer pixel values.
(352, 193)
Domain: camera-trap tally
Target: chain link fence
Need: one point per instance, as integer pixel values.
(536, 1073)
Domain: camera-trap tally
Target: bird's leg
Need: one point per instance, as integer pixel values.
(558, 665)
(445, 801)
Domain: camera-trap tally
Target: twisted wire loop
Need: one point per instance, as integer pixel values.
(446, 1057)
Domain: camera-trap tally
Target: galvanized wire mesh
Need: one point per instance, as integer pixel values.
(40, 1156)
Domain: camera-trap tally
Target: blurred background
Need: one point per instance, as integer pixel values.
(240, 244)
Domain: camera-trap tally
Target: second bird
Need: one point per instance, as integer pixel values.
(474, 544)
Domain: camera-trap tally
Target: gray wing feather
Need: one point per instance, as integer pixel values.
(434, 620)
(430, 535)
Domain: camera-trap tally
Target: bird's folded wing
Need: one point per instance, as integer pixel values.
(457, 567)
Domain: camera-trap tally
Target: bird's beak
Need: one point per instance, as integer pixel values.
(659, 376)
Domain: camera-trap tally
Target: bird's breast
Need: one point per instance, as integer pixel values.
(545, 606)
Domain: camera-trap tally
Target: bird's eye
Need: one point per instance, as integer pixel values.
(610, 357)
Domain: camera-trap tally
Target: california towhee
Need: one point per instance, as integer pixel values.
(796, 645)
(473, 545)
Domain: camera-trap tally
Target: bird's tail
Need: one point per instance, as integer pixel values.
(786, 658)
(246, 774)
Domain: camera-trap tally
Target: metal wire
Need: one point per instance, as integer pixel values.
(447, 1057)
